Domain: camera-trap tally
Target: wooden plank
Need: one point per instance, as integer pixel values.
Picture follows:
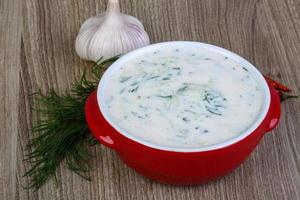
(10, 37)
(37, 51)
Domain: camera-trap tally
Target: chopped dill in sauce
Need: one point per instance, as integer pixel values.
(183, 97)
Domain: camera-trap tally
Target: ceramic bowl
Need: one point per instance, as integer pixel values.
(180, 165)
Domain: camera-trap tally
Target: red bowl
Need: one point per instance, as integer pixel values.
(178, 167)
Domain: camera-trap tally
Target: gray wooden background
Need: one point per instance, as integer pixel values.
(37, 50)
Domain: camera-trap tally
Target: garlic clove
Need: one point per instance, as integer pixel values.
(110, 34)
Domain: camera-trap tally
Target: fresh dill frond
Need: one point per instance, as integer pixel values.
(62, 133)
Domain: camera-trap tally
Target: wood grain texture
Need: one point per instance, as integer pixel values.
(37, 51)
(10, 35)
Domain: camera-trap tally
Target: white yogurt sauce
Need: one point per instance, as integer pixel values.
(184, 97)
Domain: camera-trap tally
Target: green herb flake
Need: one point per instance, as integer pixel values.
(182, 89)
(153, 77)
(134, 89)
(185, 119)
(167, 97)
(125, 78)
(212, 112)
(245, 69)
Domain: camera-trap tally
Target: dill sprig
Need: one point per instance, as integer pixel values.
(62, 134)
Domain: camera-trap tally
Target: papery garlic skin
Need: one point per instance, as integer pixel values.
(109, 34)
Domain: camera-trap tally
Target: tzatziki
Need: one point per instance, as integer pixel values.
(183, 97)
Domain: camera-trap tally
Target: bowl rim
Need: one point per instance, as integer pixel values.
(117, 64)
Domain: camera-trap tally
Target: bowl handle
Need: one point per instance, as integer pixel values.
(96, 122)
(274, 110)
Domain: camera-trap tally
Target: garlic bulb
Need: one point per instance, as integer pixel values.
(110, 34)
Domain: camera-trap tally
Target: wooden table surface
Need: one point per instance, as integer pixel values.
(37, 51)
